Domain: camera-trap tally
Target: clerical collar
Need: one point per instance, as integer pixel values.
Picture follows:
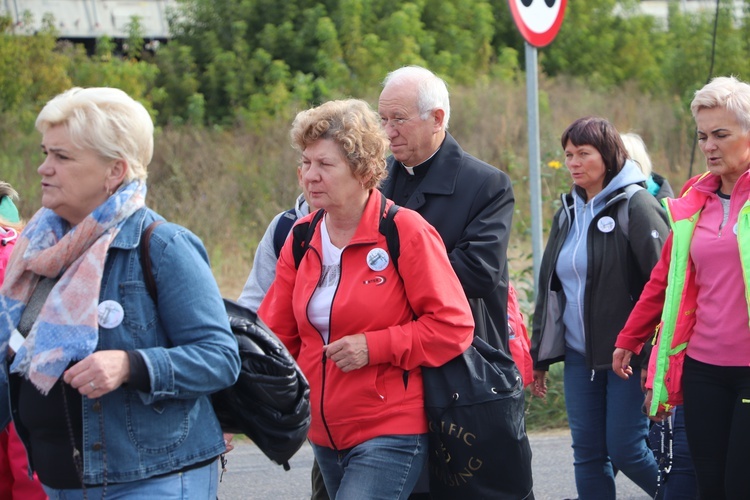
(422, 166)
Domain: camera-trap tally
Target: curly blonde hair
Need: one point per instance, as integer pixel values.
(355, 127)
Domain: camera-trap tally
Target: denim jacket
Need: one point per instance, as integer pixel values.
(188, 349)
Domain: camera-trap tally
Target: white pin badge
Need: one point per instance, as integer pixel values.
(16, 340)
(734, 229)
(110, 314)
(655, 234)
(606, 224)
(377, 259)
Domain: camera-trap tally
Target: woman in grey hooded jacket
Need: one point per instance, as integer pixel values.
(605, 239)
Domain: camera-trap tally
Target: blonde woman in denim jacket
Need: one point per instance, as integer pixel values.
(108, 390)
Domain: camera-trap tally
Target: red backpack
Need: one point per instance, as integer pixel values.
(519, 338)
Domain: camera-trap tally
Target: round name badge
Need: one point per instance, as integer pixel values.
(655, 234)
(606, 224)
(110, 314)
(734, 229)
(377, 259)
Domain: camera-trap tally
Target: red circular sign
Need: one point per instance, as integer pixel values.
(538, 20)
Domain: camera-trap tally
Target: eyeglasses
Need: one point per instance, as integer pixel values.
(394, 122)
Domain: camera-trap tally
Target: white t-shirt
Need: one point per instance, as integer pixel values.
(319, 308)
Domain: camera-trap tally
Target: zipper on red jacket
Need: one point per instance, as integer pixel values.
(330, 330)
(324, 357)
(322, 398)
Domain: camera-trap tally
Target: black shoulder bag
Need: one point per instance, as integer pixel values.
(270, 402)
(477, 433)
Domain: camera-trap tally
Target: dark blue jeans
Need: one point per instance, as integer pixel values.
(608, 430)
(679, 483)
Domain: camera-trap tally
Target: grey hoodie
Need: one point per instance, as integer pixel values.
(264, 263)
(572, 262)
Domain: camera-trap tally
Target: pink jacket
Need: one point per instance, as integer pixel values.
(673, 312)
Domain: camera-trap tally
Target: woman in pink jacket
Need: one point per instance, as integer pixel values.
(699, 290)
(359, 327)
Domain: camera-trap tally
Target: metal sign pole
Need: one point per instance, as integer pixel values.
(535, 180)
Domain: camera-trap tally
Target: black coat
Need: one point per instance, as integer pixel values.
(470, 203)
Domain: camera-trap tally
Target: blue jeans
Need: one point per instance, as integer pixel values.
(608, 429)
(196, 484)
(385, 467)
(679, 483)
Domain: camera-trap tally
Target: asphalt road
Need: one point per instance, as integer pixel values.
(250, 475)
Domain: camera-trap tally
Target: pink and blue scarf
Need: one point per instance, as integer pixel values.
(66, 329)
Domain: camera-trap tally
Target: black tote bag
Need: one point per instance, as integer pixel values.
(477, 434)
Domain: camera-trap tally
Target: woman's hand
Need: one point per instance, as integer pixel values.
(349, 353)
(539, 385)
(621, 363)
(228, 441)
(661, 414)
(99, 373)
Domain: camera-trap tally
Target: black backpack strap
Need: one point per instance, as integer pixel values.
(388, 229)
(284, 225)
(148, 275)
(302, 235)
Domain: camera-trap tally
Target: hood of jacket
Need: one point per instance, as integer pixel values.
(586, 210)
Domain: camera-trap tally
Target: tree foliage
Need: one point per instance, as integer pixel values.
(29, 67)
(242, 62)
(258, 57)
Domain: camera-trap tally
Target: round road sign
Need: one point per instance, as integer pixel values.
(538, 20)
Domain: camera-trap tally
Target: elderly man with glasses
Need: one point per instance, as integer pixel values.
(468, 201)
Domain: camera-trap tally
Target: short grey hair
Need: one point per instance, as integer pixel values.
(105, 120)
(432, 91)
(726, 92)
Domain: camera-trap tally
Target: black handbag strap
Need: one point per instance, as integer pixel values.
(148, 275)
